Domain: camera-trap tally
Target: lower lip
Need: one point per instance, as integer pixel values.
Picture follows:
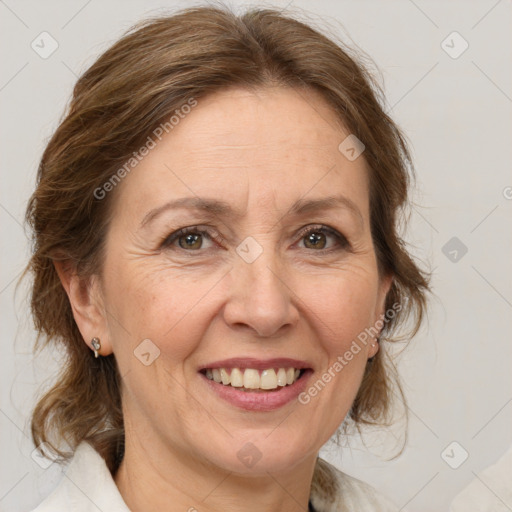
(259, 401)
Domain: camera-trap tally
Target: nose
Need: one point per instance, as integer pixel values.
(260, 298)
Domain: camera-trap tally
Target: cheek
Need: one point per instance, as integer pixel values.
(341, 306)
(167, 304)
(166, 307)
(340, 310)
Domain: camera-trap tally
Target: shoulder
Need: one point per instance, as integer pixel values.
(351, 494)
(490, 491)
(86, 486)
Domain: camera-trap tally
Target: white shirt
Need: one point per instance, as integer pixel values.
(88, 486)
(491, 491)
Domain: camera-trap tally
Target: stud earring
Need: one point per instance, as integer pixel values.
(96, 345)
(370, 359)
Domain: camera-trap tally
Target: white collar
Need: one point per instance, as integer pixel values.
(86, 486)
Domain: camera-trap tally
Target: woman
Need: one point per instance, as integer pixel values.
(216, 251)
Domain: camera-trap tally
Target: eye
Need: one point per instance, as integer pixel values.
(192, 239)
(317, 237)
(189, 239)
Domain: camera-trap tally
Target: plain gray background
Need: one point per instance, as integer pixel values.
(456, 113)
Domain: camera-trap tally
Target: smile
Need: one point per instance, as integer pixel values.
(251, 379)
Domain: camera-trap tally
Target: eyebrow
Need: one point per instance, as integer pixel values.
(223, 209)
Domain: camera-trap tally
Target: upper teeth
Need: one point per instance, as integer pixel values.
(251, 378)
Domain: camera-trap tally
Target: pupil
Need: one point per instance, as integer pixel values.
(191, 239)
(315, 238)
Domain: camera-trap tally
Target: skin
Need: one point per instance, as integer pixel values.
(259, 152)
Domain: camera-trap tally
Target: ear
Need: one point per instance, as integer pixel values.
(385, 283)
(87, 304)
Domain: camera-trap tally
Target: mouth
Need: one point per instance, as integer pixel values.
(254, 380)
(254, 384)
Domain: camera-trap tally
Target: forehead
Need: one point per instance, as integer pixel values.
(259, 150)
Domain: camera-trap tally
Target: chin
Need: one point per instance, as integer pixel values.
(258, 458)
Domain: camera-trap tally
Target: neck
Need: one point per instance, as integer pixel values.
(151, 478)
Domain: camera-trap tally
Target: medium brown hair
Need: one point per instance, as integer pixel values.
(117, 103)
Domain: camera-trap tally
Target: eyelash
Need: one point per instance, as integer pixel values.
(342, 242)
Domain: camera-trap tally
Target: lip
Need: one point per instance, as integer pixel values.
(257, 364)
(259, 401)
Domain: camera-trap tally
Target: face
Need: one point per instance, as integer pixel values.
(266, 275)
